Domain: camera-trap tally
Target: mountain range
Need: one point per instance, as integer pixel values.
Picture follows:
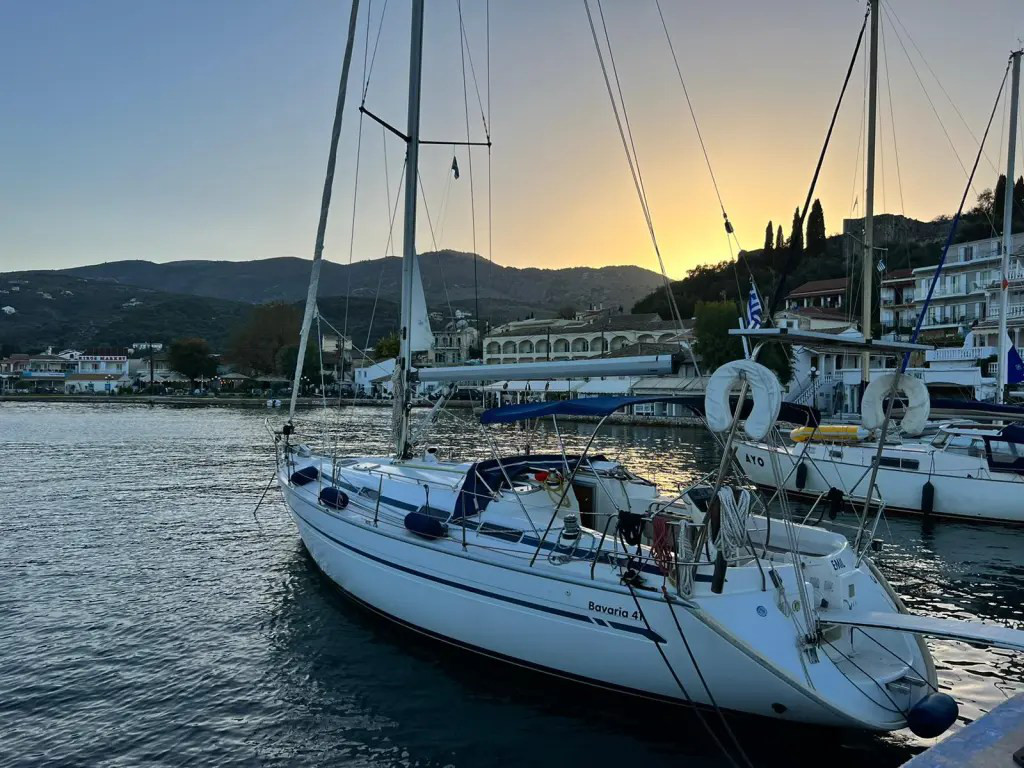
(121, 302)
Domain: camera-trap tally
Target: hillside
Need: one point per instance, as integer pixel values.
(542, 291)
(56, 309)
(909, 243)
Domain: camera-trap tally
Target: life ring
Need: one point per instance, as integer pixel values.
(765, 391)
(872, 410)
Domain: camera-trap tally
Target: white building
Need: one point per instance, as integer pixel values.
(589, 334)
(967, 294)
(374, 379)
(897, 312)
(454, 340)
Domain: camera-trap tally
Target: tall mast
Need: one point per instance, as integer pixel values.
(869, 196)
(325, 206)
(401, 403)
(1007, 229)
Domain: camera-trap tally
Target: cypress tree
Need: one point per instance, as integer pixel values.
(769, 232)
(780, 241)
(816, 230)
(998, 198)
(796, 235)
(1018, 204)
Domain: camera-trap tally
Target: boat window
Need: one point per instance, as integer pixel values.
(940, 439)
(899, 463)
(1004, 452)
(369, 493)
(969, 444)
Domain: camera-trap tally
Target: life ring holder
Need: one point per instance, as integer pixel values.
(872, 404)
(765, 393)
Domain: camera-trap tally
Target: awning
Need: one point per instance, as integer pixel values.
(602, 406)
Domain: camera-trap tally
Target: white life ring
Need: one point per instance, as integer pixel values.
(765, 391)
(872, 410)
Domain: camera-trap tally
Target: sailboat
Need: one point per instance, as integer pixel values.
(576, 567)
(945, 474)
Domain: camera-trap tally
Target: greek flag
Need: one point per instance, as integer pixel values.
(753, 310)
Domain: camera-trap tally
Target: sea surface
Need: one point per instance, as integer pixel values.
(148, 617)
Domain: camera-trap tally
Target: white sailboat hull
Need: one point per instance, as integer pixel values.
(963, 485)
(579, 631)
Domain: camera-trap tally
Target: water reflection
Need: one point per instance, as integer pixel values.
(146, 617)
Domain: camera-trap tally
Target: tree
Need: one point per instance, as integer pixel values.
(985, 205)
(769, 231)
(288, 356)
(796, 235)
(1018, 204)
(567, 312)
(998, 203)
(256, 343)
(387, 347)
(716, 347)
(780, 242)
(712, 341)
(816, 230)
(191, 358)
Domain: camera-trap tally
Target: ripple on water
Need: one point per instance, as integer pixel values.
(147, 618)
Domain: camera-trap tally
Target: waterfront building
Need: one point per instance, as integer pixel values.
(588, 334)
(823, 294)
(897, 312)
(455, 339)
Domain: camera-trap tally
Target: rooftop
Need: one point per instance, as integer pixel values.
(597, 324)
(818, 287)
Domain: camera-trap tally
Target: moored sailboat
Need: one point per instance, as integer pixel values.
(574, 566)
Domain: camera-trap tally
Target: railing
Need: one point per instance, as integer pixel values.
(949, 354)
(1012, 311)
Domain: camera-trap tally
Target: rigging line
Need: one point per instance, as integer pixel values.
(352, 224)
(373, 56)
(892, 12)
(949, 241)
(892, 119)
(391, 230)
(693, 115)
(780, 287)
(679, 683)
(490, 217)
(472, 71)
(673, 309)
(860, 138)
(937, 116)
(440, 267)
(472, 190)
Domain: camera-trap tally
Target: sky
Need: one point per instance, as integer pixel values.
(199, 129)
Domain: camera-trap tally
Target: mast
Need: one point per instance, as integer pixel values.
(869, 196)
(1004, 283)
(404, 363)
(325, 205)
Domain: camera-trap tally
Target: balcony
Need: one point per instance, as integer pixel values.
(1013, 312)
(958, 354)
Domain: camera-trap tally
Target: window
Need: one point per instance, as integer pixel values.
(1004, 452)
(899, 463)
(966, 252)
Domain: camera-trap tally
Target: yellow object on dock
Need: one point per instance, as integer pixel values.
(832, 433)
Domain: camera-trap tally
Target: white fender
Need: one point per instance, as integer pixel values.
(872, 408)
(765, 391)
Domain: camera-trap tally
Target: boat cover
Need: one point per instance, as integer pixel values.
(484, 477)
(602, 406)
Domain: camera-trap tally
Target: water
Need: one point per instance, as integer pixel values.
(147, 619)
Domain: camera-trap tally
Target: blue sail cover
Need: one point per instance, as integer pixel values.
(602, 406)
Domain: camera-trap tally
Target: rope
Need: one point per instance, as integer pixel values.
(686, 695)
(463, 44)
(707, 160)
(949, 140)
(732, 527)
(780, 287)
(625, 135)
